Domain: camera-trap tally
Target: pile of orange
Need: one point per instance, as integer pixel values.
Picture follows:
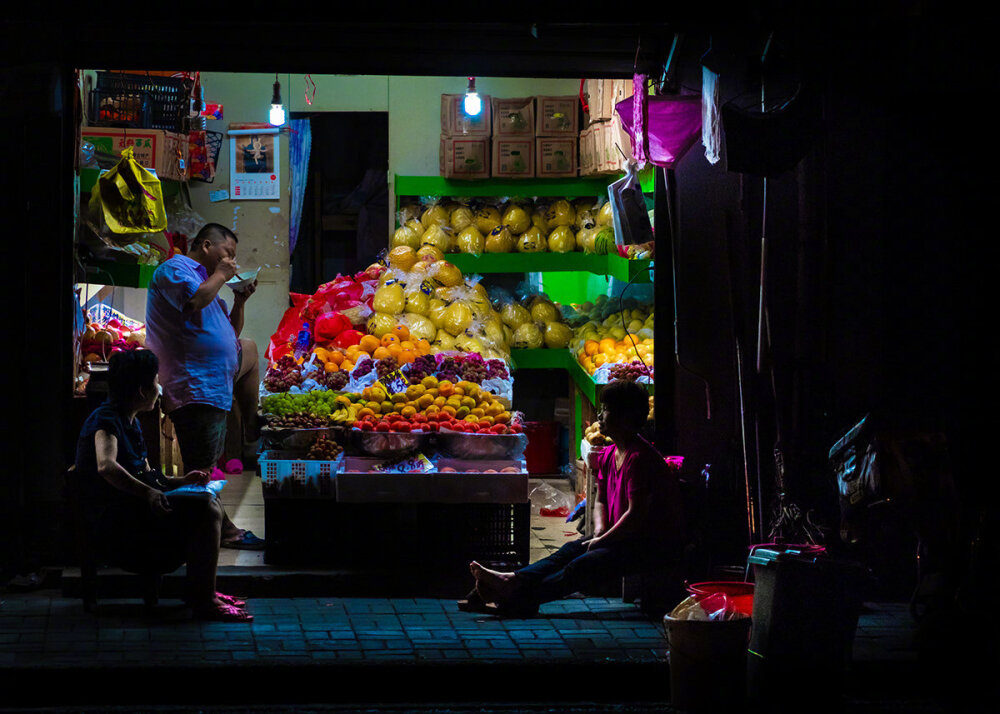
(596, 353)
(396, 344)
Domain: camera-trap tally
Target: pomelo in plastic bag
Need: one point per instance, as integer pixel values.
(430, 253)
(514, 315)
(417, 302)
(421, 328)
(539, 221)
(516, 219)
(435, 311)
(560, 213)
(436, 215)
(585, 238)
(467, 343)
(584, 218)
(544, 311)
(442, 342)
(493, 332)
(415, 225)
(486, 219)
(470, 240)
(381, 323)
(438, 237)
(532, 241)
(500, 240)
(605, 215)
(461, 218)
(389, 299)
(457, 318)
(562, 240)
(446, 273)
(528, 337)
(557, 335)
(405, 236)
(403, 257)
(409, 212)
(508, 336)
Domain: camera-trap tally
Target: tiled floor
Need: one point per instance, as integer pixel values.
(244, 502)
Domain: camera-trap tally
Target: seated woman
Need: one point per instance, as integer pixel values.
(140, 526)
(638, 522)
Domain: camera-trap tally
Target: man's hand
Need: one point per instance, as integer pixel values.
(197, 478)
(242, 296)
(593, 542)
(158, 502)
(227, 267)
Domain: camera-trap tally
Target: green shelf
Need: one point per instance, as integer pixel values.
(529, 262)
(120, 275)
(625, 269)
(540, 359)
(438, 186)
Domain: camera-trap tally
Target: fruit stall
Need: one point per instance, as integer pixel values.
(397, 386)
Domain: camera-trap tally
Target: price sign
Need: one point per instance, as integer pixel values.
(395, 381)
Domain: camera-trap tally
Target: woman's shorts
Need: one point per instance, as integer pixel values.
(201, 434)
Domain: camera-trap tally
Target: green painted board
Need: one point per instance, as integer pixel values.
(121, 275)
(624, 269)
(438, 186)
(528, 262)
(540, 359)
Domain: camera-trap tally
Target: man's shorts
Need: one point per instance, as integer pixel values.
(201, 434)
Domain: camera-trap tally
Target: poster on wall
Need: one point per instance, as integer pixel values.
(254, 166)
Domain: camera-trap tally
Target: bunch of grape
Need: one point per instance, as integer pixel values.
(297, 420)
(283, 375)
(630, 371)
(363, 367)
(473, 368)
(318, 404)
(497, 369)
(386, 365)
(449, 369)
(324, 449)
(334, 380)
(422, 366)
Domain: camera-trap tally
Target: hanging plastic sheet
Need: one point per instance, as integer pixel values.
(299, 148)
(663, 127)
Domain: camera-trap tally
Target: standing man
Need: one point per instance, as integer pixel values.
(202, 358)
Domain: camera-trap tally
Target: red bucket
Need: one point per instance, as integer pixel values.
(541, 455)
(741, 594)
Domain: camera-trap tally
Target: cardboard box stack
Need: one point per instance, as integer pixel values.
(605, 146)
(163, 151)
(557, 137)
(514, 137)
(465, 140)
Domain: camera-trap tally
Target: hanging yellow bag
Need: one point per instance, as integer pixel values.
(130, 198)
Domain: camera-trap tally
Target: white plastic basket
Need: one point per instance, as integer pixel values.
(287, 473)
(102, 313)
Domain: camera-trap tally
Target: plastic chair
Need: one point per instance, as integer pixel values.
(87, 551)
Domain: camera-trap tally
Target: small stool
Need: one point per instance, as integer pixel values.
(86, 550)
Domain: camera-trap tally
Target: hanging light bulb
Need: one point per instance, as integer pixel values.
(473, 104)
(277, 114)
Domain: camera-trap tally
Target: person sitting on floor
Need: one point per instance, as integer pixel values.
(143, 528)
(638, 521)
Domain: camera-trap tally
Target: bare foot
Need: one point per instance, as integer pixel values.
(493, 586)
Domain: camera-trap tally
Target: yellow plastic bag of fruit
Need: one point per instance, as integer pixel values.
(129, 198)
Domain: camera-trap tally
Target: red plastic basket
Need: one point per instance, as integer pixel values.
(740, 593)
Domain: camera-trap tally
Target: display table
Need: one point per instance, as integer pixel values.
(432, 519)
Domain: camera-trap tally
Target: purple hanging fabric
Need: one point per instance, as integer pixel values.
(639, 111)
(669, 126)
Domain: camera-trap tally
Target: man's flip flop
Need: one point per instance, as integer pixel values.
(230, 600)
(245, 541)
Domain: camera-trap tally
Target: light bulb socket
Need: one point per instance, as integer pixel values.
(276, 96)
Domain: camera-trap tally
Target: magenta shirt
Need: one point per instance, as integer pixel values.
(644, 475)
(198, 352)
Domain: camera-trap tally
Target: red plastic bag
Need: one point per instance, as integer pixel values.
(288, 328)
(329, 325)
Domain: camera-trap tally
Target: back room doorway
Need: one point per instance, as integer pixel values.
(345, 209)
